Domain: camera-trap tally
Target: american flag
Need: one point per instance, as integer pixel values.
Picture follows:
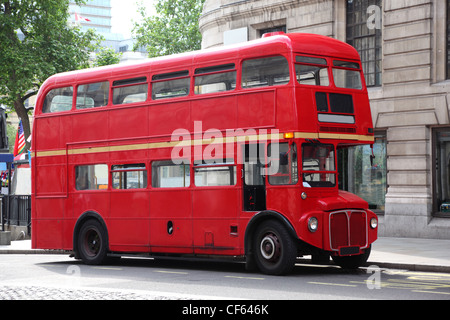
(19, 145)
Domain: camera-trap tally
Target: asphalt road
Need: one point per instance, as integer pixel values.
(49, 277)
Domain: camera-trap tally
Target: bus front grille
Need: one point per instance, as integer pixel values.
(348, 228)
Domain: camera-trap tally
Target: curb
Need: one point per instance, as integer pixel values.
(410, 267)
(33, 251)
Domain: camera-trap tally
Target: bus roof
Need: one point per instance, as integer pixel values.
(278, 43)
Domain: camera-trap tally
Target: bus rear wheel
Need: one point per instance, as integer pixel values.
(275, 250)
(92, 243)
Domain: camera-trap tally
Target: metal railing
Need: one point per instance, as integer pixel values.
(16, 211)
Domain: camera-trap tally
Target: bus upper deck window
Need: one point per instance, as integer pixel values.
(170, 85)
(58, 100)
(265, 72)
(347, 74)
(93, 95)
(130, 91)
(312, 71)
(215, 79)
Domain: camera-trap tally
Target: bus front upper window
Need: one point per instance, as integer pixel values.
(319, 168)
(312, 71)
(347, 75)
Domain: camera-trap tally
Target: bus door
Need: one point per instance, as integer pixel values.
(215, 209)
(254, 182)
(129, 222)
(170, 207)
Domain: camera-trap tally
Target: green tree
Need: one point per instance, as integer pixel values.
(173, 30)
(45, 45)
(106, 57)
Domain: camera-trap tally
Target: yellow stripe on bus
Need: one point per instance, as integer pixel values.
(185, 143)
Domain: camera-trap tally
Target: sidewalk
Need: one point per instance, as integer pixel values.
(427, 255)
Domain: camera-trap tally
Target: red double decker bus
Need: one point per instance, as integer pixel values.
(229, 151)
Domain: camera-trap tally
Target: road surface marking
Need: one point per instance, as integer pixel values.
(333, 284)
(248, 278)
(171, 272)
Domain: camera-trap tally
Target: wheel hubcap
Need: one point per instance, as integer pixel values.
(270, 247)
(92, 243)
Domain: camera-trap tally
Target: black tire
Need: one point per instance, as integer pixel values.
(274, 248)
(92, 243)
(352, 262)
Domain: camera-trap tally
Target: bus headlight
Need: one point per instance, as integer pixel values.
(313, 224)
(373, 223)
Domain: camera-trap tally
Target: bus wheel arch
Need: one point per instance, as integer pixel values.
(266, 233)
(90, 239)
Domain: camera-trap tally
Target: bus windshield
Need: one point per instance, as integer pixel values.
(346, 75)
(318, 165)
(313, 71)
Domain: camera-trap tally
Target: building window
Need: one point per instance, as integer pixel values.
(364, 173)
(364, 33)
(441, 172)
(273, 29)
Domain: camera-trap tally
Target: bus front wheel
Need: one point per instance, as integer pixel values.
(92, 243)
(275, 250)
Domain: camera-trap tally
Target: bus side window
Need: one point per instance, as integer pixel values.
(170, 85)
(216, 174)
(91, 177)
(58, 100)
(166, 174)
(93, 95)
(129, 176)
(265, 72)
(130, 91)
(286, 162)
(215, 79)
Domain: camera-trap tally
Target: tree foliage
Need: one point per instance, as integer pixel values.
(35, 43)
(107, 56)
(173, 30)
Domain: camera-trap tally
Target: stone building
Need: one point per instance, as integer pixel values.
(406, 59)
